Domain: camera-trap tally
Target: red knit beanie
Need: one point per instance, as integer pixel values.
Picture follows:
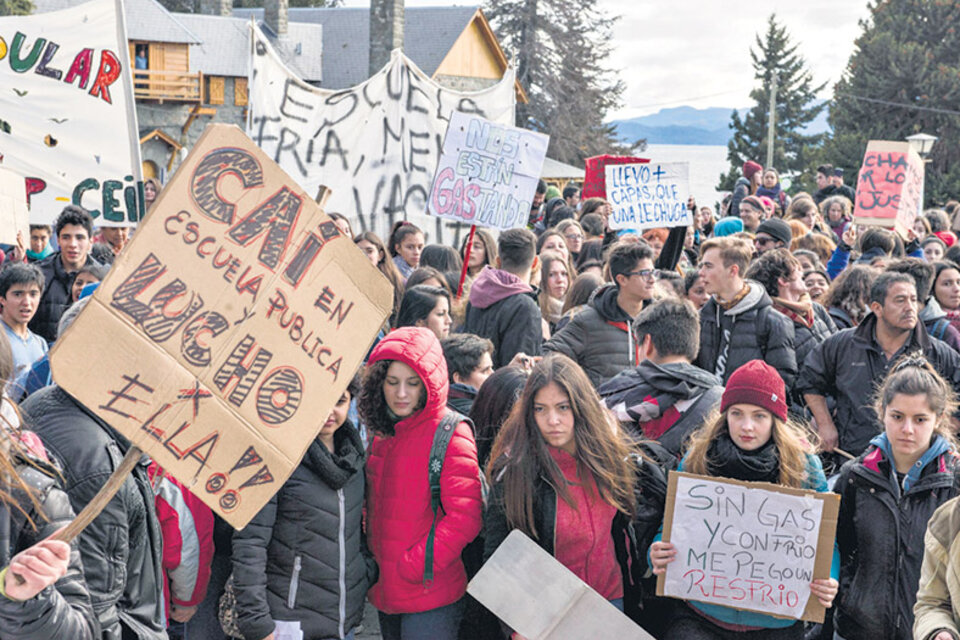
(749, 168)
(948, 237)
(759, 384)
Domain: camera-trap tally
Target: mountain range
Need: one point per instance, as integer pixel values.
(688, 125)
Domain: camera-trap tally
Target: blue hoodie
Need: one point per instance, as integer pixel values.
(938, 447)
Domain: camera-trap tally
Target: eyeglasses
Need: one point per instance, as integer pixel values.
(574, 236)
(646, 274)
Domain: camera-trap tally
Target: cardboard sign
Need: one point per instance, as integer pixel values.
(541, 599)
(488, 173)
(647, 196)
(748, 545)
(595, 174)
(68, 124)
(14, 216)
(890, 186)
(228, 327)
(377, 143)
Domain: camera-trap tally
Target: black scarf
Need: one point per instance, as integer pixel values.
(336, 468)
(727, 460)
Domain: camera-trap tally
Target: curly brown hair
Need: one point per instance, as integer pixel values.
(371, 404)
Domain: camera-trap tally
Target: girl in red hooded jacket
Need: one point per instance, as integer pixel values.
(403, 401)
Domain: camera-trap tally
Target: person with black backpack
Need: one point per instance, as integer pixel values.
(665, 397)
(564, 473)
(424, 497)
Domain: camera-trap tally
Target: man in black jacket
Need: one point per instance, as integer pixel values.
(600, 338)
(74, 227)
(738, 322)
(665, 397)
(848, 365)
(121, 549)
(503, 306)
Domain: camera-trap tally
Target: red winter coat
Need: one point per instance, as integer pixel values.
(398, 491)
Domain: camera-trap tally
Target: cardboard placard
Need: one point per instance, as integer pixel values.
(228, 328)
(753, 546)
(594, 179)
(488, 172)
(650, 195)
(14, 216)
(890, 186)
(541, 599)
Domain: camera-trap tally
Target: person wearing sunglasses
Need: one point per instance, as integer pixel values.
(601, 338)
(772, 234)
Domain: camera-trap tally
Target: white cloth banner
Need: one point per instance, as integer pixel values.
(67, 118)
(376, 145)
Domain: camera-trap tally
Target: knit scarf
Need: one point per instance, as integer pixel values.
(725, 459)
(736, 299)
(554, 310)
(800, 311)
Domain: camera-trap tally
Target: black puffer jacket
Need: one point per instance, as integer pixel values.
(600, 338)
(751, 330)
(62, 611)
(57, 296)
(880, 536)
(504, 310)
(301, 557)
(121, 549)
(808, 337)
(848, 365)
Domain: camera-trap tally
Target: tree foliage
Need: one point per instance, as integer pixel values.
(16, 7)
(903, 78)
(561, 48)
(796, 107)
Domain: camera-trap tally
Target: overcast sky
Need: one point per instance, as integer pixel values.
(697, 52)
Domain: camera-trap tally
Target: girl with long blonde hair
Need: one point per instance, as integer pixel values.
(751, 439)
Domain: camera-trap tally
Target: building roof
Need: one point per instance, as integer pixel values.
(225, 45)
(147, 20)
(429, 34)
(554, 169)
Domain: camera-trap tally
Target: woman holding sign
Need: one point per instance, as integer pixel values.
(562, 472)
(888, 495)
(752, 440)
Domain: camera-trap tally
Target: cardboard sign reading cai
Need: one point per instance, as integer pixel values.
(67, 122)
(541, 599)
(646, 196)
(890, 186)
(748, 545)
(487, 173)
(228, 327)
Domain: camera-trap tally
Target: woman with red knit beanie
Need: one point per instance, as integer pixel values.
(750, 439)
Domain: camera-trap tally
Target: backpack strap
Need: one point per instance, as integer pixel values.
(940, 328)
(438, 451)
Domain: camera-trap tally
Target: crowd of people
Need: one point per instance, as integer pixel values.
(545, 379)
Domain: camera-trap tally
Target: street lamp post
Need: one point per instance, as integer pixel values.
(922, 143)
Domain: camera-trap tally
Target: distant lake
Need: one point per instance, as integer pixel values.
(706, 165)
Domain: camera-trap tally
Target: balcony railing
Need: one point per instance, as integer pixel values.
(177, 86)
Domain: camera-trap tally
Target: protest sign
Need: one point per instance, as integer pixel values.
(541, 599)
(487, 173)
(647, 196)
(228, 327)
(890, 186)
(67, 120)
(595, 171)
(748, 545)
(382, 137)
(14, 216)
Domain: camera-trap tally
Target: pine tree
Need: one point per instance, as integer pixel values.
(16, 7)
(796, 107)
(903, 78)
(561, 48)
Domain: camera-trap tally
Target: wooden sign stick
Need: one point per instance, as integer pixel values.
(89, 513)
